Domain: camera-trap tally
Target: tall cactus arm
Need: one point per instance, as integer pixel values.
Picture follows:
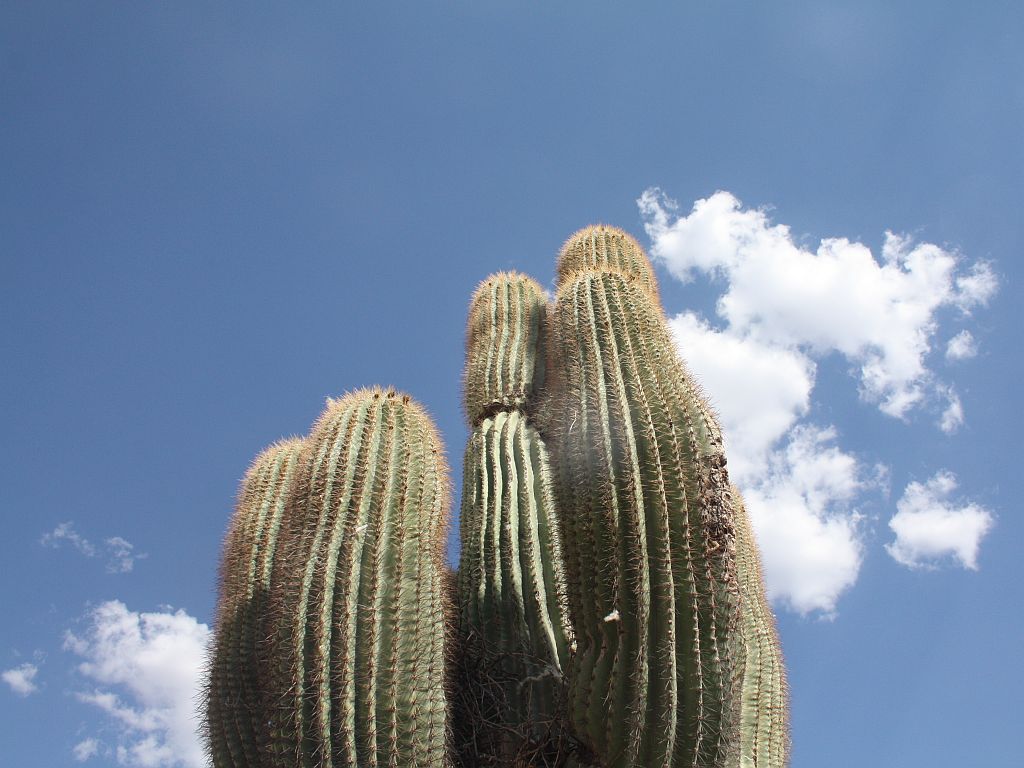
(357, 621)
(514, 621)
(234, 705)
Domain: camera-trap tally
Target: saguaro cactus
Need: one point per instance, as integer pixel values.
(610, 606)
(358, 602)
(235, 712)
(513, 612)
(644, 496)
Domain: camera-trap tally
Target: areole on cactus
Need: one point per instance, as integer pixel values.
(608, 608)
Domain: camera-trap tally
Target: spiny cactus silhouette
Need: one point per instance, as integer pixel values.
(608, 610)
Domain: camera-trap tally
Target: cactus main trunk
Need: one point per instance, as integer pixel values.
(644, 498)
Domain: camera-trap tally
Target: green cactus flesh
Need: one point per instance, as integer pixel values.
(356, 658)
(234, 704)
(764, 734)
(514, 626)
(644, 498)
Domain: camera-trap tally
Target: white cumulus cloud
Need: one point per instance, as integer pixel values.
(802, 514)
(21, 679)
(146, 669)
(121, 555)
(881, 315)
(65, 532)
(931, 529)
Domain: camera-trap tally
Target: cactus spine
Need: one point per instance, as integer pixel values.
(234, 704)
(514, 624)
(644, 497)
(764, 736)
(357, 621)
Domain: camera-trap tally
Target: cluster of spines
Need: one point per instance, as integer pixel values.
(514, 623)
(235, 705)
(764, 734)
(355, 667)
(645, 503)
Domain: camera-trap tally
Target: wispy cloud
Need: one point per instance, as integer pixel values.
(21, 679)
(66, 533)
(119, 553)
(931, 529)
(146, 670)
(781, 308)
(953, 416)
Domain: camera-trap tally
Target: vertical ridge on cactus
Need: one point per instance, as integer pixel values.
(358, 619)
(513, 609)
(234, 707)
(644, 495)
(764, 734)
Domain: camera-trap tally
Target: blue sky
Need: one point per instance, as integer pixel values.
(213, 217)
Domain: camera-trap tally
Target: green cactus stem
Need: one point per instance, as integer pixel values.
(644, 498)
(764, 732)
(513, 612)
(359, 600)
(234, 707)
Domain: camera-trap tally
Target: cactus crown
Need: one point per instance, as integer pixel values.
(603, 248)
(504, 344)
